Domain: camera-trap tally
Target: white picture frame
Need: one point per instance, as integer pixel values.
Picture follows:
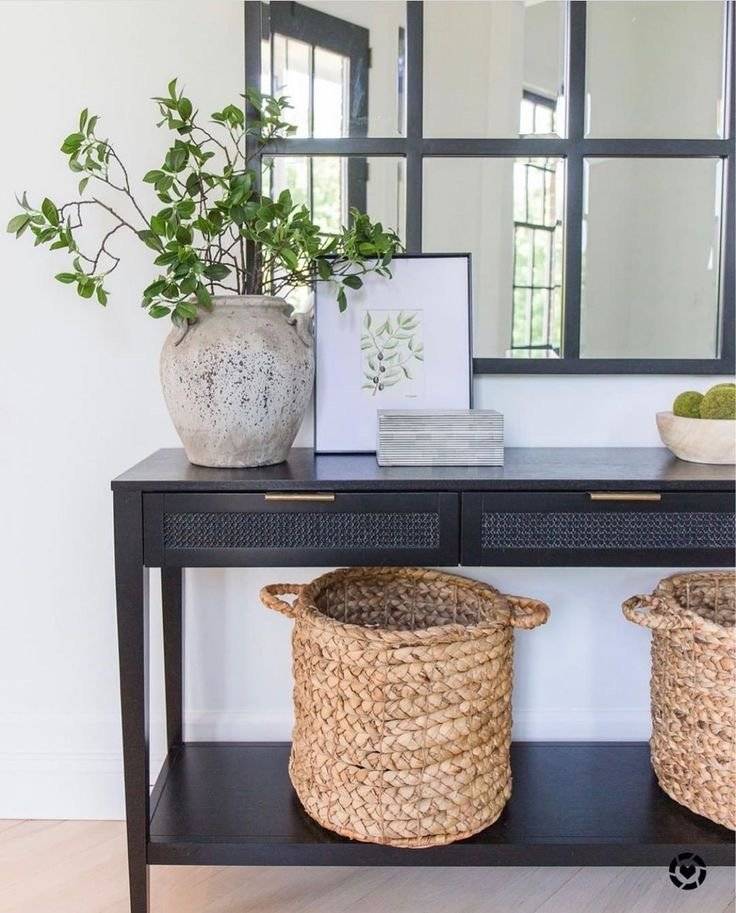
(402, 343)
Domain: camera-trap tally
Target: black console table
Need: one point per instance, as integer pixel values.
(231, 803)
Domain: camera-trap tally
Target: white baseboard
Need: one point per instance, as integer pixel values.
(52, 780)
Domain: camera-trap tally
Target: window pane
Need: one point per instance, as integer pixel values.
(655, 69)
(480, 58)
(508, 214)
(341, 64)
(329, 197)
(331, 93)
(292, 64)
(651, 258)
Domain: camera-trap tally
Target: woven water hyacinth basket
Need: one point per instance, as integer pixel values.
(402, 698)
(692, 617)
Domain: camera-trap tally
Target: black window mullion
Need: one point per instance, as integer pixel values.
(574, 176)
(414, 123)
(252, 50)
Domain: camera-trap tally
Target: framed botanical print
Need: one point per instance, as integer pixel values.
(402, 343)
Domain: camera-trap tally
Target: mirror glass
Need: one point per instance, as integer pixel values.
(650, 258)
(342, 64)
(655, 69)
(482, 62)
(508, 213)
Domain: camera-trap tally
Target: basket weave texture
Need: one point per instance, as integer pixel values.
(693, 696)
(402, 698)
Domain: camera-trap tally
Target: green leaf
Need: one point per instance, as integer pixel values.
(172, 89)
(341, 300)
(72, 143)
(184, 235)
(155, 288)
(83, 183)
(50, 211)
(92, 123)
(150, 240)
(324, 269)
(166, 259)
(101, 295)
(159, 310)
(158, 225)
(18, 223)
(187, 309)
(204, 299)
(83, 119)
(185, 108)
(216, 271)
(150, 177)
(86, 288)
(353, 282)
(66, 278)
(290, 258)
(186, 208)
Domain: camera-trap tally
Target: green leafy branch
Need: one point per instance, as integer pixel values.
(215, 231)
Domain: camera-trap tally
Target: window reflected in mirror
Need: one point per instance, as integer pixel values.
(342, 64)
(485, 64)
(508, 213)
(331, 185)
(651, 235)
(655, 69)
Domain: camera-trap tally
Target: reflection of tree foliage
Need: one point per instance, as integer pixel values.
(389, 349)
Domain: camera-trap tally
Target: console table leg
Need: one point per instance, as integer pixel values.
(131, 584)
(172, 606)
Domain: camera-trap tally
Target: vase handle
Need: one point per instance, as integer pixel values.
(302, 322)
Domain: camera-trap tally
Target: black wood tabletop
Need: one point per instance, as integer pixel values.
(525, 469)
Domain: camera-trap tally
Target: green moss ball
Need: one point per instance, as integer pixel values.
(720, 402)
(687, 404)
(721, 387)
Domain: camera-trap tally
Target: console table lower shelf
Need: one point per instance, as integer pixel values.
(573, 803)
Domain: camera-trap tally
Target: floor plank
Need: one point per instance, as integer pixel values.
(79, 867)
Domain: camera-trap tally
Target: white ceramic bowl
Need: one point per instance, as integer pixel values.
(698, 440)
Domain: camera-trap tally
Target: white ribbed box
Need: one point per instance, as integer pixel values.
(439, 437)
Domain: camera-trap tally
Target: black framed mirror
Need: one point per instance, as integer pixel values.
(583, 153)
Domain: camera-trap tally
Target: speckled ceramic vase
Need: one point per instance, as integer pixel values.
(238, 382)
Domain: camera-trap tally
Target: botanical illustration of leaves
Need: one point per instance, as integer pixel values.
(388, 349)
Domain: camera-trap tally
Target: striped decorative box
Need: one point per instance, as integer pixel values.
(439, 437)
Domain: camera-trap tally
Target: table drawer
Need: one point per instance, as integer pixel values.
(301, 529)
(598, 528)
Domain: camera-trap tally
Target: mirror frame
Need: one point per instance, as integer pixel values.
(575, 147)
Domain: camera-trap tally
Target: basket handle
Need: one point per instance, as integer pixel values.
(269, 597)
(654, 612)
(527, 613)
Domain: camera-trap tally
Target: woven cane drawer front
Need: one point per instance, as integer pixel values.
(675, 530)
(379, 530)
(570, 528)
(251, 529)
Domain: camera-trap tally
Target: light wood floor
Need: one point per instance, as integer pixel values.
(79, 867)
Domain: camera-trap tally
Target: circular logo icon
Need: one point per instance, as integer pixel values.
(687, 871)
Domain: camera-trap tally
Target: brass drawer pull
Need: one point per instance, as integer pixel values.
(624, 496)
(300, 496)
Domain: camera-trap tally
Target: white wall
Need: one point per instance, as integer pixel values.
(80, 401)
